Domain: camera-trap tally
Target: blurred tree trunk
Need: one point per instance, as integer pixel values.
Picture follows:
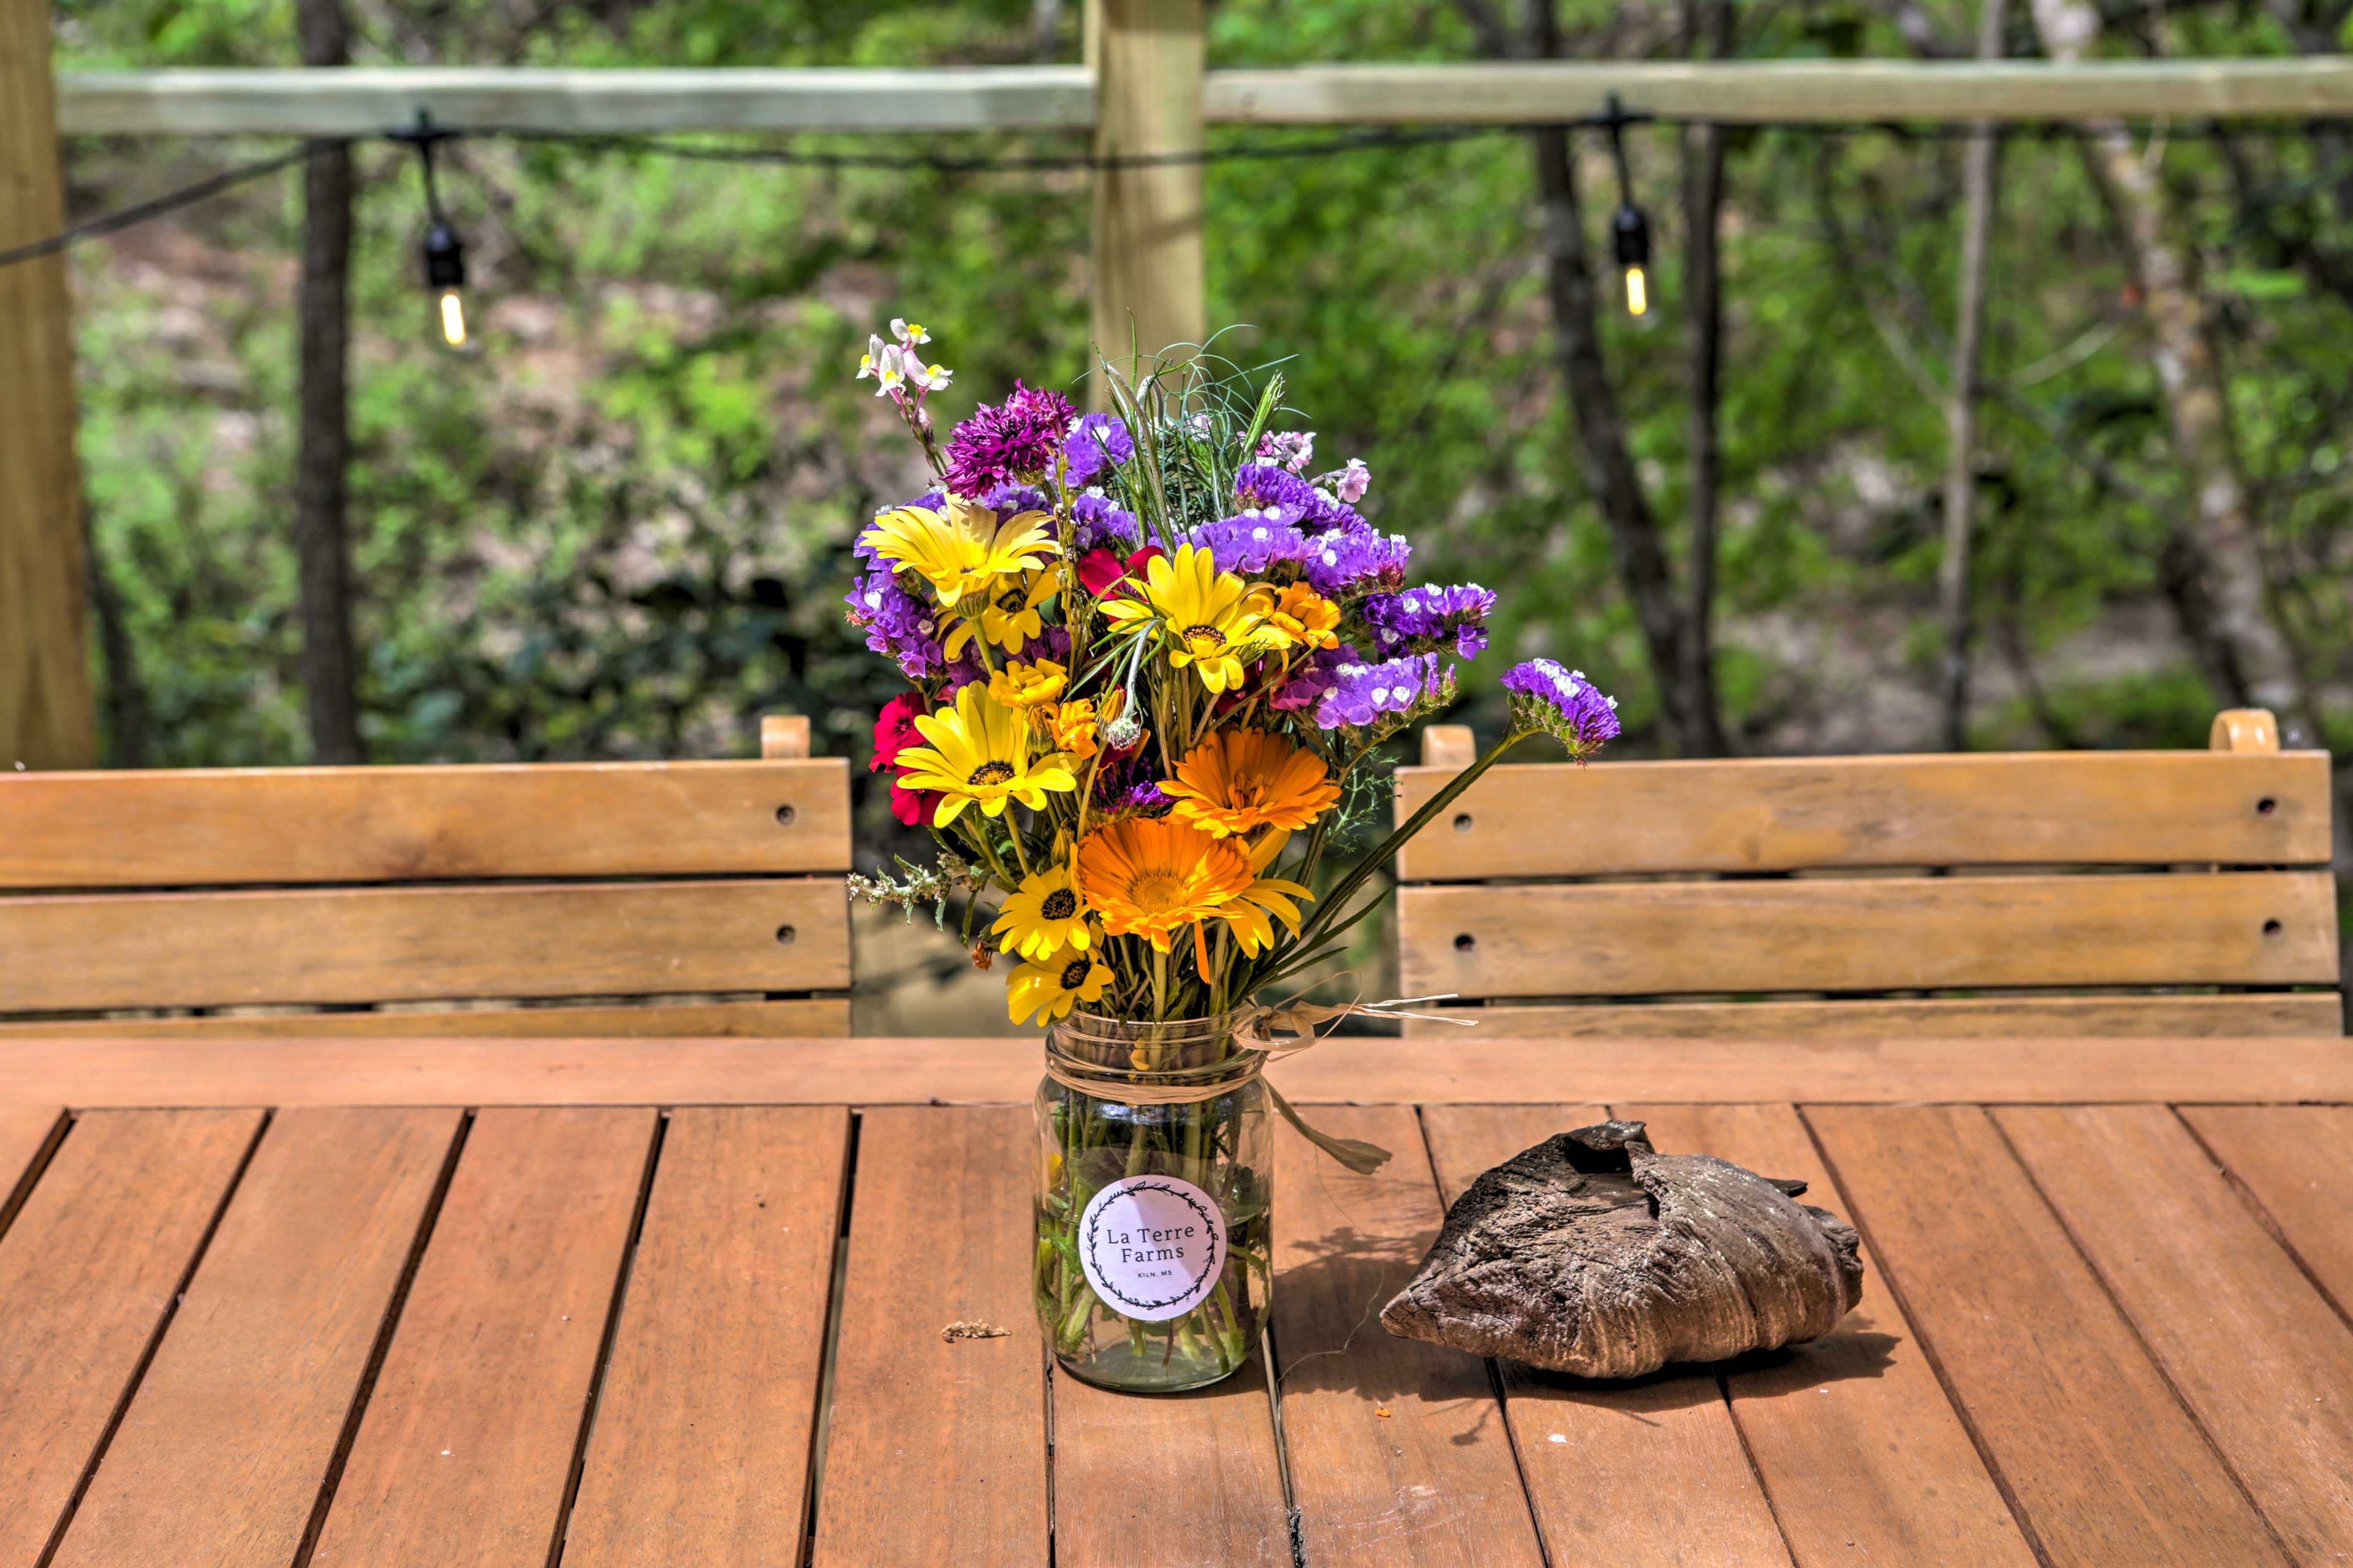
(2224, 550)
(321, 547)
(1706, 23)
(124, 708)
(1978, 167)
(1634, 537)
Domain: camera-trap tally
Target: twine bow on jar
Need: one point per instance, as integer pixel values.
(1255, 1033)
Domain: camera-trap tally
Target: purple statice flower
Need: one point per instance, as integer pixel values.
(1313, 679)
(1250, 543)
(1361, 692)
(1327, 512)
(1361, 558)
(1097, 444)
(1053, 642)
(1144, 800)
(1014, 439)
(897, 623)
(1563, 704)
(1351, 483)
(963, 670)
(1262, 487)
(929, 500)
(1292, 448)
(1007, 500)
(1100, 523)
(1430, 617)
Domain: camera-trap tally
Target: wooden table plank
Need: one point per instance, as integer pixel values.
(1397, 1448)
(87, 1275)
(28, 1134)
(1627, 1473)
(935, 1453)
(221, 1457)
(1863, 1456)
(1172, 1480)
(1466, 1068)
(2104, 1464)
(2261, 1358)
(701, 1450)
(2297, 1161)
(466, 1450)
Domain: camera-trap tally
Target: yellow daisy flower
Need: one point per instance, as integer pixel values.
(1208, 614)
(1246, 915)
(1027, 686)
(1046, 915)
(1051, 987)
(1298, 617)
(979, 755)
(1008, 614)
(1239, 781)
(1146, 877)
(962, 551)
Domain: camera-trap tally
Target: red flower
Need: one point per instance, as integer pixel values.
(894, 731)
(1099, 569)
(913, 806)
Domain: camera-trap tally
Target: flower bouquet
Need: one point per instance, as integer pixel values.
(1153, 655)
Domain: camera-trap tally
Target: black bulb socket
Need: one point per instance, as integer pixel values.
(1630, 233)
(445, 257)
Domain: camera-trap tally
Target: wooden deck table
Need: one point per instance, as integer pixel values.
(539, 1303)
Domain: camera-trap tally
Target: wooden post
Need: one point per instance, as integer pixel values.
(1148, 283)
(45, 717)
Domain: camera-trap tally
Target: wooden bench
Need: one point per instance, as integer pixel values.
(2116, 893)
(645, 898)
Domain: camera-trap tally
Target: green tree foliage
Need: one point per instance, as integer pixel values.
(621, 529)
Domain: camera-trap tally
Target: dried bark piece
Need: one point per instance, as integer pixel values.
(1593, 1254)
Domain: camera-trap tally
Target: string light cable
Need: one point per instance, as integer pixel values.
(445, 250)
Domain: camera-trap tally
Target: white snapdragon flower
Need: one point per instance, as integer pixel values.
(885, 362)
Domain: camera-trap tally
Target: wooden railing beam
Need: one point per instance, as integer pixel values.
(361, 102)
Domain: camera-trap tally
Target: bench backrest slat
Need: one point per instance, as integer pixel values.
(1881, 933)
(2115, 809)
(232, 827)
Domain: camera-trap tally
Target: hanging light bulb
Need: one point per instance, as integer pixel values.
(445, 274)
(445, 253)
(1629, 231)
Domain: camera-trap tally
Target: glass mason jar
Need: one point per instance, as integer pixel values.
(1155, 1173)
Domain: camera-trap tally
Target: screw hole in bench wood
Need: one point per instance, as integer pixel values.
(1462, 822)
(2265, 806)
(785, 935)
(785, 815)
(1465, 943)
(2273, 928)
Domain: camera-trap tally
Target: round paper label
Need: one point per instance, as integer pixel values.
(1152, 1247)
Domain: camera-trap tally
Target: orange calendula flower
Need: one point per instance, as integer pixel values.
(1027, 686)
(1073, 727)
(1299, 617)
(1146, 878)
(1239, 781)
